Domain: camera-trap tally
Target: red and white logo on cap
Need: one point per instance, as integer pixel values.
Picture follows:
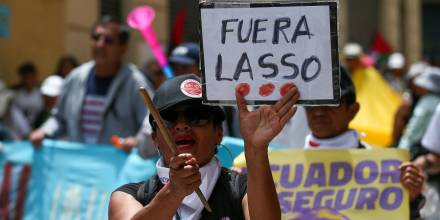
(191, 88)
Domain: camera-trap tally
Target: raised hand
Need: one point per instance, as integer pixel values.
(259, 127)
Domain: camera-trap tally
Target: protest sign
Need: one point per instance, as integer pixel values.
(341, 184)
(262, 49)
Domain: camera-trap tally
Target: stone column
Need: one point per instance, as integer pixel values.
(343, 25)
(389, 22)
(412, 34)
(80, 15)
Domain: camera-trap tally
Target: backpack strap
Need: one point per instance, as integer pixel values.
(235, 182)
(148, 190)
(226, 199)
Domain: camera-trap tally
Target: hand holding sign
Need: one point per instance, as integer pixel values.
(412, 179)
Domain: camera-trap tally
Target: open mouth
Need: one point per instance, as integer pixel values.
(184, 141)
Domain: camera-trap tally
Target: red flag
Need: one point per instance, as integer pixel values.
(178, 29)
(381, 45)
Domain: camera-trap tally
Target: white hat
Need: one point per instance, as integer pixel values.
(396, 61)
(352, 50)
(429, 79)
(416, 69)
(52, 86)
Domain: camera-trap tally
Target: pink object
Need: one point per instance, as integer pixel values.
(141, 18)
(367, 61)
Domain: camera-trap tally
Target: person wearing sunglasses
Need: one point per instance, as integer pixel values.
(100, 98)
(197, 130)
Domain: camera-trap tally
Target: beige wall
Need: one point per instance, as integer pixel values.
(46, 29)
(390, 22)
(36, 34)
(79, 18)
(412, 30)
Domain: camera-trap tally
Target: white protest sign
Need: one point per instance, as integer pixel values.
(264, 48)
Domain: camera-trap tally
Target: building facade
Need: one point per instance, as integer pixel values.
(46, 29)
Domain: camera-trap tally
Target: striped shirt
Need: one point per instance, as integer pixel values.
(92, 113)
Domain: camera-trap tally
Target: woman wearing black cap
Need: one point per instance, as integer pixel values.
(197, 130)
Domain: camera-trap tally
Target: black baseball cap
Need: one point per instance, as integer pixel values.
(183, 89)
(348, 90)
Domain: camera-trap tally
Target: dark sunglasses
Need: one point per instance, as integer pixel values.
(195, 116)
(107, 39)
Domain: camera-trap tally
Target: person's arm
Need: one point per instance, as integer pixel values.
(123, 206)
(55, 124)
(400, 119)
(417, 125)
(184, 179)
(258, 128)
(164, 205)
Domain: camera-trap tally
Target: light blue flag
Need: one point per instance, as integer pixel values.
(15, 169)
(75, 181)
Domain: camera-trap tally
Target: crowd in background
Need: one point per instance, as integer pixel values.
(28, 106)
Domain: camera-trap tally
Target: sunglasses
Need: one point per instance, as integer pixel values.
(107, 38)
(195, 116)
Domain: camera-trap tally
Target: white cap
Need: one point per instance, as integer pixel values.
(352, 50)
(396, 61)
(416, 69)
(52, 86)
(429, 79)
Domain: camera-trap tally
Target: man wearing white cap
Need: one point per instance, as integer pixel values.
(50, 89)
(395, 74)
(352, 54)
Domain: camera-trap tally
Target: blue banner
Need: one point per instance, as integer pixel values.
(65, 180)
(68, 180)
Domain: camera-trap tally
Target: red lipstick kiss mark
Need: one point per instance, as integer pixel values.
(243, 89)
(266, 89)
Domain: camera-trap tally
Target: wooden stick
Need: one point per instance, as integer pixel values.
(163, 130)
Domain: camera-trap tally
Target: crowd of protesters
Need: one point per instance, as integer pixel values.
(94, 101)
